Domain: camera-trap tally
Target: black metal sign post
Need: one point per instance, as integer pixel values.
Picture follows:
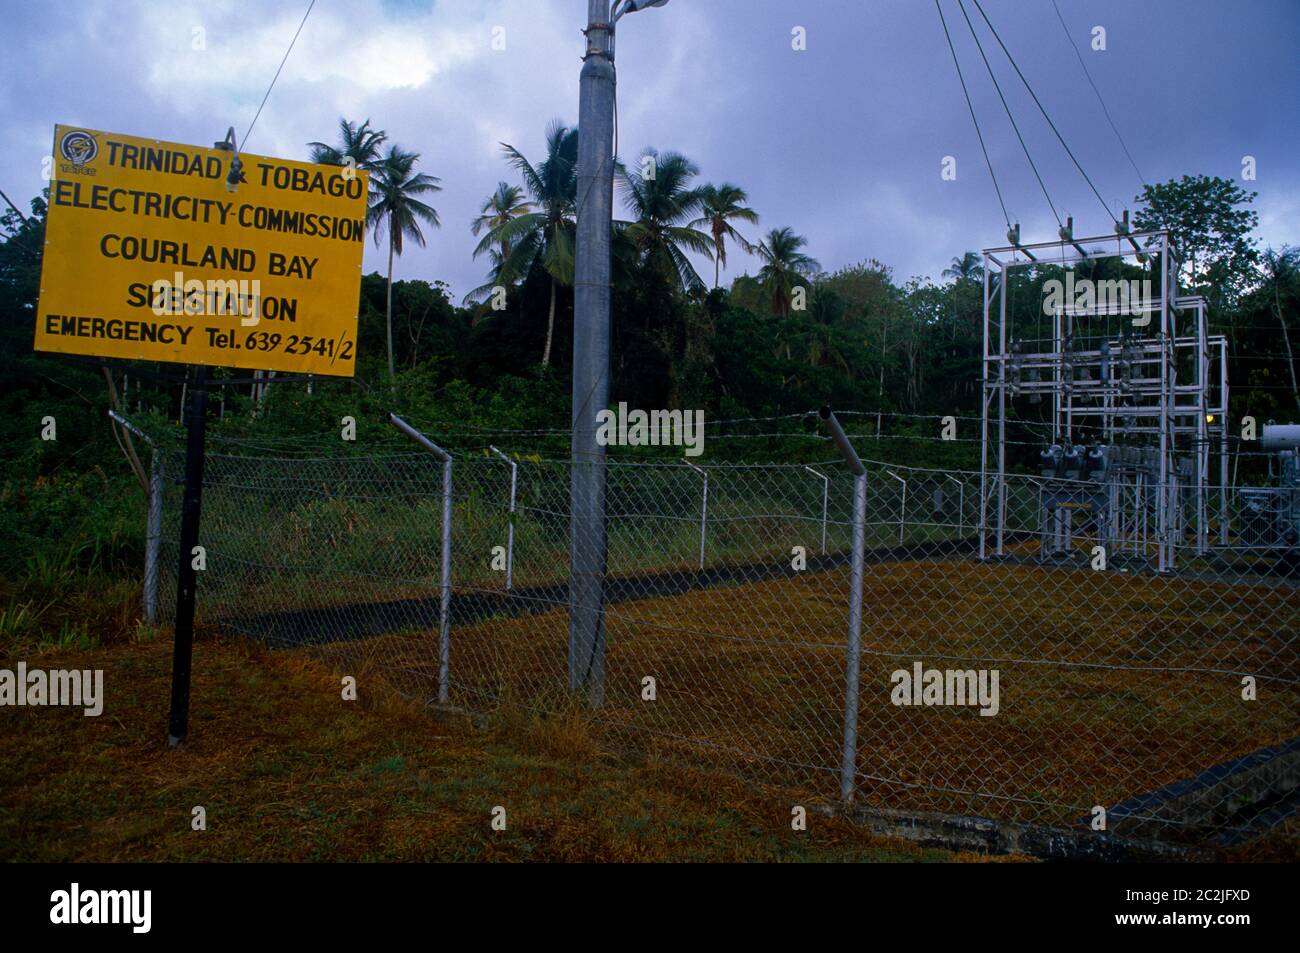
(187, 576)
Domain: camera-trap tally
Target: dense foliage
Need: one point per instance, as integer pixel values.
(781, 342)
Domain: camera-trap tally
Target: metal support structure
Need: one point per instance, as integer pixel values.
(588, 540)
(1223, 448)
(510, 529)
(826, 494)
(153, 520)
(990, 285)
(1002, 419)
(153, 538)
(853, 647)
(588, 543)
(187, 574)
(704, 507)
(444, 603)
(1201, 494)
(1163, 535)
(1117, 371)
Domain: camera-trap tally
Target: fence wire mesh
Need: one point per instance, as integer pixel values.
(1034, 685)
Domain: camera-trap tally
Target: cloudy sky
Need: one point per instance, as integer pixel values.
(844, 140)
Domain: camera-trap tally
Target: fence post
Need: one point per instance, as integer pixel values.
(153, 538)
(186, 575)
(704, 506)
(826, 487)
(153, 519)
(853, 655)
(444, 606)
(961, 501)
(902, 510)
(510, 530)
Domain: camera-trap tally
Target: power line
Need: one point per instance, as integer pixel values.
(10, 203)
(1114, 128)
(244, 141)
(969, 106)
(1040, 107)
(996, 86)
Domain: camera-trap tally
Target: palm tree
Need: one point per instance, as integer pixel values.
(394, 203)
(826, 311)
(720, 205)
(542, 237)
(663, 204)
(358, 143)
(498, 209)
(784, 266)
(965, 268)
(964, 271)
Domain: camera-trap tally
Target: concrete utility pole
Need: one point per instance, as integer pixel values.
(591, 335)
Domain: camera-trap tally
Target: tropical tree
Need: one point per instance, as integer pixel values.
(659, 195)
(872, 302)
(965, 268)
(815, 342)
(358, 147)
(1211, 222)
(965, 272)
(360, 144)
(826, 312)
(922, 306)
(396, 205)
(784, 267)
(1281, 271)
(499, 209)
(721, 205)
(543, 237)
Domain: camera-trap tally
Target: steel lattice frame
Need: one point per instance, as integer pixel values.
(1154, 404)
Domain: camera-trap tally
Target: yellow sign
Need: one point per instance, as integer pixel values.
(151, 254)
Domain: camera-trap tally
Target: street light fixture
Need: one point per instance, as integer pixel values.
(632, 6)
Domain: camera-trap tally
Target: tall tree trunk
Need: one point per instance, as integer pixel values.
(880, 390)
(263, 390)
(388, 309)
(124, 436)
(1286, 337)
(550, 329)
(718, 254)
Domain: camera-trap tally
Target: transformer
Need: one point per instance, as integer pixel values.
(1270, 515)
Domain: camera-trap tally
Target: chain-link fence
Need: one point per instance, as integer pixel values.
(1056, 677)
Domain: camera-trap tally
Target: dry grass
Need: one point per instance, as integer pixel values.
(749, 683)
(1140, 691)
(288, 771)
